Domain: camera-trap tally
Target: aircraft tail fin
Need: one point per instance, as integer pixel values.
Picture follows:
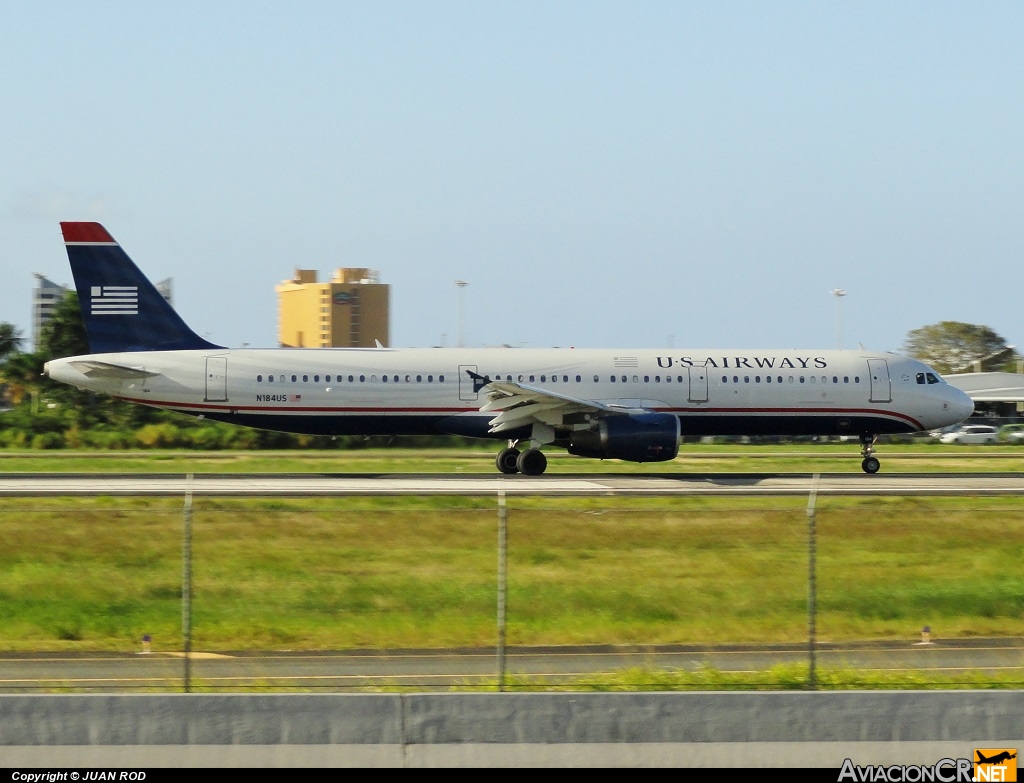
(122, 309)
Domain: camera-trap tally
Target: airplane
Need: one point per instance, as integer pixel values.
(996, 759)
(620, 404)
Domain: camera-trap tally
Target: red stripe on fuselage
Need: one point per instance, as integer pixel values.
(188, 406)
(784, 411)
(208, 406)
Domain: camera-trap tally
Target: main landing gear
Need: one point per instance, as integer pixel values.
(870, 463)
(530, 462)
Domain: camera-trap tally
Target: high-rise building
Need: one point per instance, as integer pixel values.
(45, 297)
(48, 294)
(350, 311)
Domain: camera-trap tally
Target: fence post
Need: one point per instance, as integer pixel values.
(502, 578)
(186, 583)
(812, 585)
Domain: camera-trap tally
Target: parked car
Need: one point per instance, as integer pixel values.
(971, 433)
(1011, 433)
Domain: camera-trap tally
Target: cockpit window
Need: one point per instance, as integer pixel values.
(932, 378)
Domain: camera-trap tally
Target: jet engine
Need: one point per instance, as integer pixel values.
(637, 437)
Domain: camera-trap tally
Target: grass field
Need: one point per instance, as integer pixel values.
(82, 574)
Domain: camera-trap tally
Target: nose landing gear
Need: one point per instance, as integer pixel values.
(870, 463)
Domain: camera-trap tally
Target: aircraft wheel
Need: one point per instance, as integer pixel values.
(532, 462)
(507, 461)
(870, 465)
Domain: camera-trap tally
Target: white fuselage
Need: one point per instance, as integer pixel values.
(429, 390)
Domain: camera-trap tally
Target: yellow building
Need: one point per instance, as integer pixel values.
(351, 311)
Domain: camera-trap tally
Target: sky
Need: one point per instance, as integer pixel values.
(601, 174)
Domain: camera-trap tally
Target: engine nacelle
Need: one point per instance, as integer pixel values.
(640, 437)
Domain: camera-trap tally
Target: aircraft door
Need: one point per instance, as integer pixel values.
(468, 387)
(216, 379)
(698, 384)
(881, 386)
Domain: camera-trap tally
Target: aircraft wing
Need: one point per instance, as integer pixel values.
(93, 369)
(518, 405)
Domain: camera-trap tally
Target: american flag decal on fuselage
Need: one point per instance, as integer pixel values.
(114, 300)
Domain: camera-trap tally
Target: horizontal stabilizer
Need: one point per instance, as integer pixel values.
(93, 369)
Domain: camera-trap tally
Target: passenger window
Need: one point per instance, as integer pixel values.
(543, 378)
(595, 379)
(440, 379)
(259, 379)
(294, 378)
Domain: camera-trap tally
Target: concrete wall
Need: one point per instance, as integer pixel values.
(498, 729)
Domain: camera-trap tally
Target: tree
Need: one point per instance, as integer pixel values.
(10, 339)
(952, 346)
(64, 334)
(21, 374)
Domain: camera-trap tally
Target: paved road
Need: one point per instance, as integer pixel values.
(310, 484)
(429, 669)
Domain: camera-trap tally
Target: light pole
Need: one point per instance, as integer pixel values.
(839, 293)
(461, 285)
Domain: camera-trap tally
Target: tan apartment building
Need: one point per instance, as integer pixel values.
(350, 311)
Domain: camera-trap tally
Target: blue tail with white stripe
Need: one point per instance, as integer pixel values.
(121, 308)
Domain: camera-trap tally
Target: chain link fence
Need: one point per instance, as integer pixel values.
(351, 594)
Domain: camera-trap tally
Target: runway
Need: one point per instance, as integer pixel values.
(335, 671)
(565, 485)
